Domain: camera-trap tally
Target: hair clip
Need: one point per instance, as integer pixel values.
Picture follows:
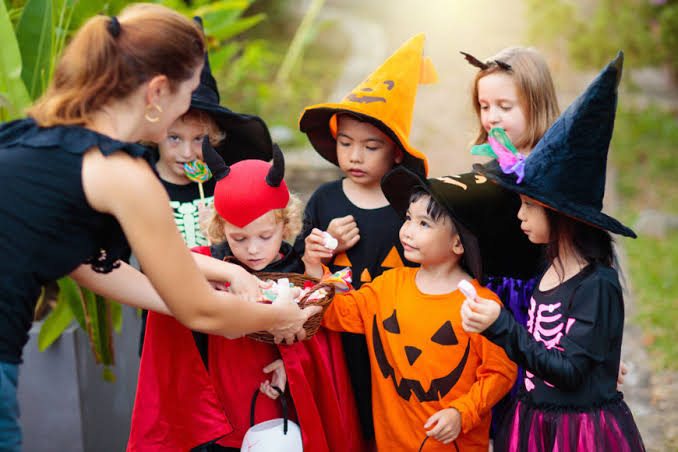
(473, 61)
(114, 27)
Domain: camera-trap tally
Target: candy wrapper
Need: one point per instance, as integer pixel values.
(341, 280)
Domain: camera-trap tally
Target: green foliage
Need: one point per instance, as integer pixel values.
(593, 32)
(13, 94)
(653, 265)
(644, 153)
(35, 33)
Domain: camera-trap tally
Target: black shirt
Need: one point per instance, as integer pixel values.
(572, 345)
(184, 201)
(48, 228)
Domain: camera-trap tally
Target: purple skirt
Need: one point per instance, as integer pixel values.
(530, 429)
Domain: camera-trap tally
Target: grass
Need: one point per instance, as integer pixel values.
(645, 153)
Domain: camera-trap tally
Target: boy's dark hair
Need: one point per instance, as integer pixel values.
(471, 260)
(593, 244)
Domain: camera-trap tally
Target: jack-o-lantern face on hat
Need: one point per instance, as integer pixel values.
(426, 348)
(367, 95)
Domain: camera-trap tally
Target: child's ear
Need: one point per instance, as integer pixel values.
(398, 154)
(456, 246)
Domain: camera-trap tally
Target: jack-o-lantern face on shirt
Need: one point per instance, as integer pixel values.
(365, 94)
(429, 348)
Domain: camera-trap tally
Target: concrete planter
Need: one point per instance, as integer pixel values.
(65, 403)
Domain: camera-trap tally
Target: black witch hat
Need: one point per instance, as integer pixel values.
(484, 214)
(247, 136)
(566, 170)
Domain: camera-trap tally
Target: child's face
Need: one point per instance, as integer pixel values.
(533, 220)
(500, 106)
(257, 244)
(182, 144)
(364, 152)
(425, 240)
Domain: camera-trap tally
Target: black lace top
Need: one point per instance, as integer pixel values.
(47, 228)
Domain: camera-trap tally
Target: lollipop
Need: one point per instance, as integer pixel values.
(198, 172)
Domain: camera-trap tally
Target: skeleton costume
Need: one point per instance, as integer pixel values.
(571, 348)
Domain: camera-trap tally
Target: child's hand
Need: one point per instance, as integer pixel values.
(278, 378)
(623, 370)
(478, 314)
(315, 252)
(448, 425)
(345, 230)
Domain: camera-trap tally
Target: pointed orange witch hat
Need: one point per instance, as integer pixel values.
(384, 99)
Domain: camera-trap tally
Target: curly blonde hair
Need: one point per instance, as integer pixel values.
(290, 216)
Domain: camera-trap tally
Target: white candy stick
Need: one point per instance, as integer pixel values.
(467, 289)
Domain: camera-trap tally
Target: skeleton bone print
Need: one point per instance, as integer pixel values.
(186, 219)
(546, 327)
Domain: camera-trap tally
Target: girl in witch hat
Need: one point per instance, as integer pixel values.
(206, 405)
(572, 345)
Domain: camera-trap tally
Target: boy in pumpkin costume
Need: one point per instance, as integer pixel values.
(433, 384)
(366, 135)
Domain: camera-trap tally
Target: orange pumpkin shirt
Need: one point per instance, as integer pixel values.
(422, 361)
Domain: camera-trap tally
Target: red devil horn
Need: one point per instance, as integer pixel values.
(277, 172)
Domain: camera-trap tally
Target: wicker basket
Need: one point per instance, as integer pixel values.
(313, 322)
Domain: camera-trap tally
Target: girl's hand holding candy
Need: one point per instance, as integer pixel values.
(478, 314)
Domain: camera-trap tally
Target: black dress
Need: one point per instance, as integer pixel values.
(570, 352)
(47, 227)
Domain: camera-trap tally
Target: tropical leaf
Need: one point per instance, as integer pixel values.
(223, 30)
(71, 292)
(12, 87)
(219, 57)
(108, 375)
(116, 315)
(34, 34)
(55, 323)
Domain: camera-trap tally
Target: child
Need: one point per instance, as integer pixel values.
(572, 345)
(366, 134)
(206, 402)
(236, 136)
(430, 378)
(514, 90)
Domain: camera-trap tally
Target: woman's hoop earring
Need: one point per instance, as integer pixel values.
(147, 115)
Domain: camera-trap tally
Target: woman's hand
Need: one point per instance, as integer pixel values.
(291, 318)
(346, 231)
(314, 253)
(478, 314)
(448, 425)
(278, 378)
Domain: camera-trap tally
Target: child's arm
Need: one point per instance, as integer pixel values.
(596, 316)
(495, 377)
(346, 311)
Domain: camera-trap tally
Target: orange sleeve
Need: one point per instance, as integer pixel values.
(347, 310)
(495, 377)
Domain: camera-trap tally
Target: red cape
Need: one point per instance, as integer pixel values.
(179, 405)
